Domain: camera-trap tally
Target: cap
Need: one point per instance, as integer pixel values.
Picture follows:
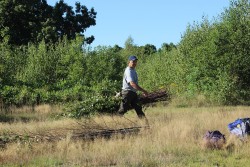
(132, 58)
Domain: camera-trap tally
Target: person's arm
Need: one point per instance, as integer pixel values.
(137, 87)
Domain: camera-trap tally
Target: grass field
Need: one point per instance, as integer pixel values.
(174, 138)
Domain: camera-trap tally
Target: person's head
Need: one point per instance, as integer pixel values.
(132, 61)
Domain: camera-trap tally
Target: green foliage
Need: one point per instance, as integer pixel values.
(198, 48)
(234, 45)
(217, 55)
(91, 105)
(162, 71)
(100, 99)
(211, 61)
(69, 23)
(39, 69)
(32, 21)
(60, 73)
(149, 49)
(104, 64)
(167, 47)
(9, 93)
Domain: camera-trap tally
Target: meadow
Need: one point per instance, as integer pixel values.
(173, 138)
(205, 75)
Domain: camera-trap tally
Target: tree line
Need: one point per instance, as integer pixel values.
(211, 61)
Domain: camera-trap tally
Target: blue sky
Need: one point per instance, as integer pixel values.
(146, 21)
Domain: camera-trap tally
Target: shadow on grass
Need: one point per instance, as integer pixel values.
(6, 118)
(10, 118)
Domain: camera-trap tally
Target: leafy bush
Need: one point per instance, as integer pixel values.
(217, 56)
(91, 105)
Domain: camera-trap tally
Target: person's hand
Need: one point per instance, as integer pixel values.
(145, 93)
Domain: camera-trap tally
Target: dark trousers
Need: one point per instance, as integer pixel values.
(130, 99)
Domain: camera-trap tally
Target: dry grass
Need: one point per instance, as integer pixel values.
(29, 113)
(173, 139)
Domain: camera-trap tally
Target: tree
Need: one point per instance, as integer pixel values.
(149, 49)
(116, 48)
(217, 55)
(233, 41)
(27, 21)
(19, 20)
(129, 43)
(168, 47)
(70, 23)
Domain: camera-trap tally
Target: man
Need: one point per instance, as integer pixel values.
(129, 88)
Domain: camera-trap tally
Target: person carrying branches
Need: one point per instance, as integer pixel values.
(130, 87)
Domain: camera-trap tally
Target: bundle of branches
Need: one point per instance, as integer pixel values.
(159, 95)
(156, 96)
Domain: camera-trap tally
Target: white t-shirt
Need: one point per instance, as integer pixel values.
(129, 75)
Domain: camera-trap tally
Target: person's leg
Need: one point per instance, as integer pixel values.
(136, 105)
(124, 103)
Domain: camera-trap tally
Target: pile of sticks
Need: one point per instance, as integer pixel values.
(87, 130)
